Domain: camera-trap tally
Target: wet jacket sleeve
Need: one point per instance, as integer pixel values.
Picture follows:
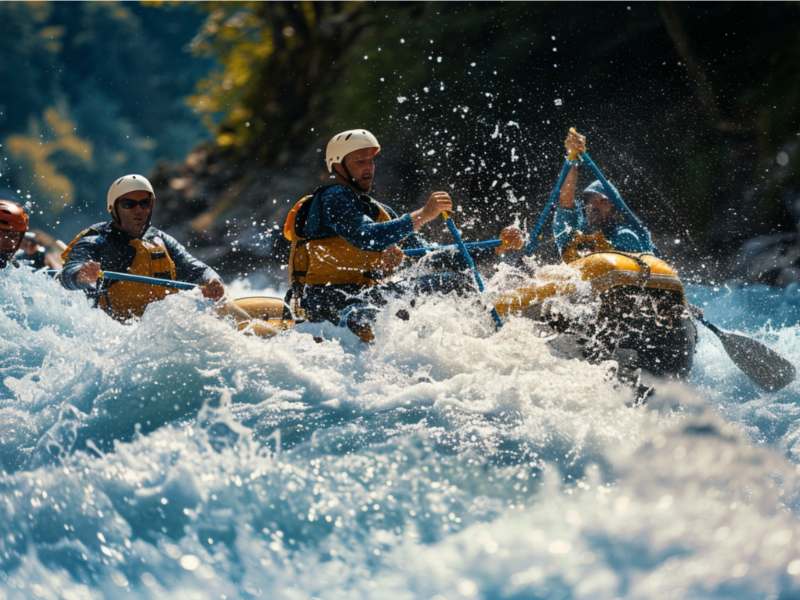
(187, 267)
(343, 215)
(87, 248)
(413, 240)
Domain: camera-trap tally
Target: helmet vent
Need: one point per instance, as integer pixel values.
(348, 137)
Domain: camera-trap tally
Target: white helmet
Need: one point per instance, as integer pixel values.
(124, 185)
(346, 142)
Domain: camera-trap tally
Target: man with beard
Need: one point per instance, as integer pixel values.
(345, 244)
(595, 222)
(128, 243)
(13, 226)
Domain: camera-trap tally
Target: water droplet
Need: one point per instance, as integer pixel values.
(190, 562)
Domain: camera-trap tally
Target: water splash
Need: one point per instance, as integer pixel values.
(445, 459)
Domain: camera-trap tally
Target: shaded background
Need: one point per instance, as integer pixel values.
(691, 109)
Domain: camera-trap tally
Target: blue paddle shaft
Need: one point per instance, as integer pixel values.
(533, 241)
(464, 252)
(469, 245)
(475, 273)
(115, 276)
(612, 193)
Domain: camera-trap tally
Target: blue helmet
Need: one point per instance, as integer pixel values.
(597, 188)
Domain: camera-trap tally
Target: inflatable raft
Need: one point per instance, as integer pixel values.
(639, 309)
(263, 316)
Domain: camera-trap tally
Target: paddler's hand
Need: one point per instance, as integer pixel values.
(391, 258)
(438, 202)
(511, 238)
(89, 273)
(213, 289)
(575, 144)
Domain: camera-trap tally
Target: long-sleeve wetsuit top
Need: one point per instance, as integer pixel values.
(628, 234)
(339, 210)
(110, 246)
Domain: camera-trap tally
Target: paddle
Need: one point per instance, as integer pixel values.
(533, 241)
(468, 259)
(115, 276)
(469, 245)
(228, 308)
(761, 364)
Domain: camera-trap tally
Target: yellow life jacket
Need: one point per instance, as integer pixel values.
(330, 260)
(583, 244)
(126, 299)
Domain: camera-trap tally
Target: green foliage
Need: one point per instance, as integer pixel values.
(93, 90)
(684, 104)
(275, 78)
(49, 144)
(29, 48)
(689, 99)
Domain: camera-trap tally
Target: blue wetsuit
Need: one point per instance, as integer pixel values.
(338, 210)
(627, 234)
(110, 246)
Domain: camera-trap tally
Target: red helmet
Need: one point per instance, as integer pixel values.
(13, 217)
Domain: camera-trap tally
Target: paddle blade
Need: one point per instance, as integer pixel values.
(764, 366)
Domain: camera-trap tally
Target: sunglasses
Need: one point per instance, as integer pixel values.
(130, 203)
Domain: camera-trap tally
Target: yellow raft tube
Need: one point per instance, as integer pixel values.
(263, 316)
(603, 271)
(642, 308)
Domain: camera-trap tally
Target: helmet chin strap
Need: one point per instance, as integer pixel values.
(352, 180)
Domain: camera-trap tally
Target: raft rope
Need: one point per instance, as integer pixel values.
(645, 272)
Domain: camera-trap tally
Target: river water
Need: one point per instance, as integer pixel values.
(179, 458)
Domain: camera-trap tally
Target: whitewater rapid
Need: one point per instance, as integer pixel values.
(178, 457)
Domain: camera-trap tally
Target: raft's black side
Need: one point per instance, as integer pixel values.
(654, 323)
